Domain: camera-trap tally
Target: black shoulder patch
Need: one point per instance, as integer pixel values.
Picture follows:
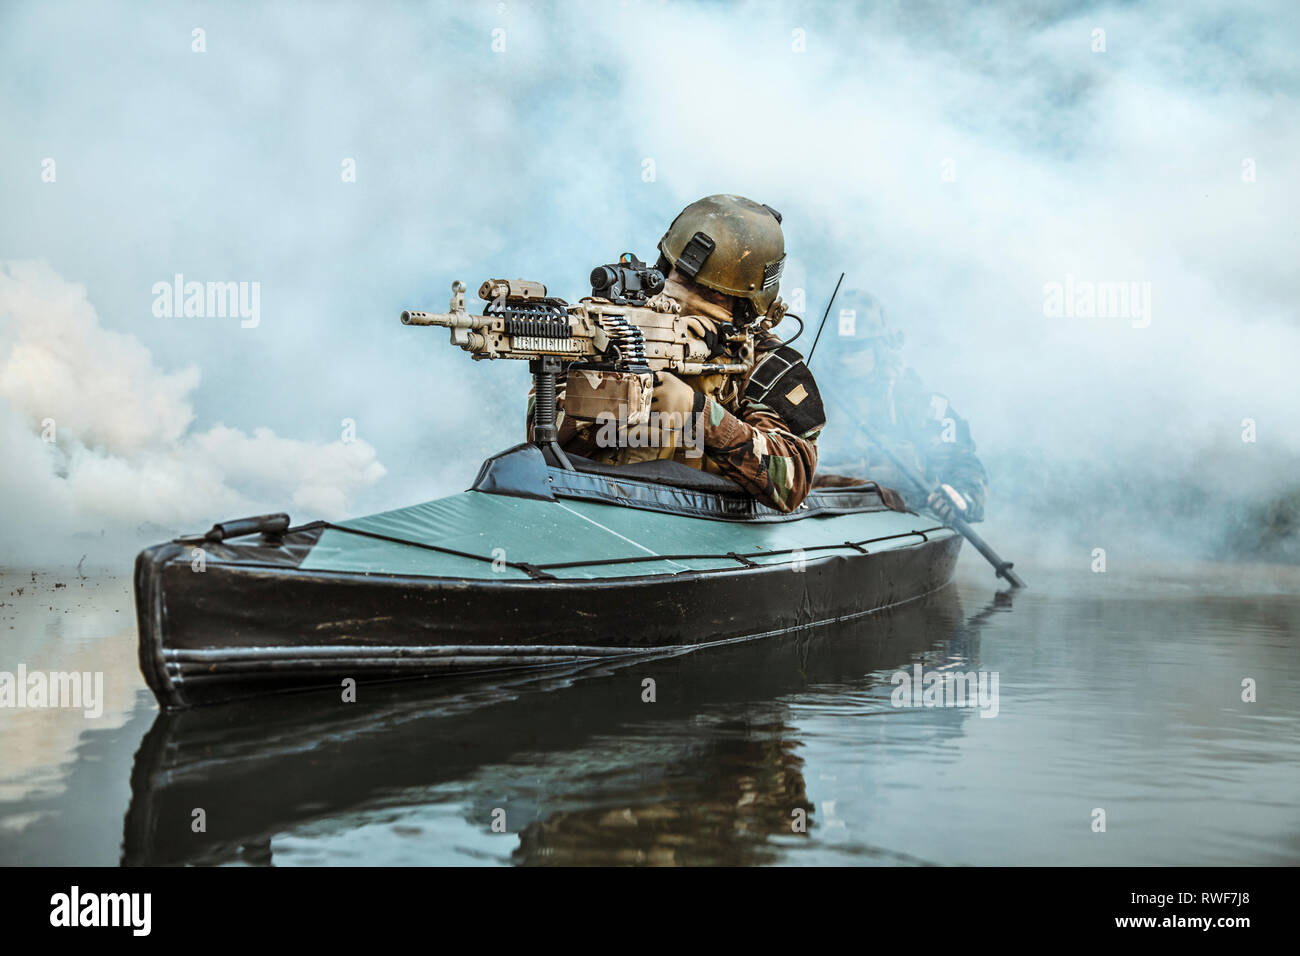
(781, 381)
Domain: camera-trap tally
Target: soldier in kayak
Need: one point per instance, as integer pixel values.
(869, 383)
(722, 258)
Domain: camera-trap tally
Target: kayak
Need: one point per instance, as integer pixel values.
(534, 565)
(558, 748)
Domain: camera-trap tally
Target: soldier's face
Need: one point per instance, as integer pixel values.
(856, 364)
(696, 299)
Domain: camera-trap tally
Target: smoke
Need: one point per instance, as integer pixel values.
(954, 162)
(99, 440)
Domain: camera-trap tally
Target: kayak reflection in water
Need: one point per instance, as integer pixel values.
(867, 381)
(583, 769)
(739, 795)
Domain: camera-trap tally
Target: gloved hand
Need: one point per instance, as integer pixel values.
(672, 395)
(699, 325)
(705, 330)
(946, 501)
(671, 406)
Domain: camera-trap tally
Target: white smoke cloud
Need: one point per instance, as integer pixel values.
(531, 160)
(123, 451)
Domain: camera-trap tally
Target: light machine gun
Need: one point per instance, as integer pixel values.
(616, 339)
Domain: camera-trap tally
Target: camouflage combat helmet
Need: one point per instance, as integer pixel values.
(729, 244)
(858, 322)
(857, 325)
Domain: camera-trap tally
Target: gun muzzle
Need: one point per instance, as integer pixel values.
(448, 320)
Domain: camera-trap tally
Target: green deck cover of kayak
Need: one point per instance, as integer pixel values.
(544, 532)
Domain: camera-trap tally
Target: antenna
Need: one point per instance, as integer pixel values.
(808, 360)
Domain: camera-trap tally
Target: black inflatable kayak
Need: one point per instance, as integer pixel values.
(285, 766)
(534, 565)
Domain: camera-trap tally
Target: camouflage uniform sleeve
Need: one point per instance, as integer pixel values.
(954, 463)
(949, 449)
(759, 452)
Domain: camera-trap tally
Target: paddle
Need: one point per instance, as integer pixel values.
(958, 524)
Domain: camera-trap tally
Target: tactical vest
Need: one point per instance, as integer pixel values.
(723, 389)
(779, 381)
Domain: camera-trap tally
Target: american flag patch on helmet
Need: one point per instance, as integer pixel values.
(772, 274)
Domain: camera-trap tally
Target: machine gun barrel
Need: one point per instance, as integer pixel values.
(448, 320)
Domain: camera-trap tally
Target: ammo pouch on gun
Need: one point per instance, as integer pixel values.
(626, 396)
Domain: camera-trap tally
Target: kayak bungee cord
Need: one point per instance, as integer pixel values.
(539, 571)
(532, 570)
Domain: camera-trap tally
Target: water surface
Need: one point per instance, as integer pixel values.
(1121, 694)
